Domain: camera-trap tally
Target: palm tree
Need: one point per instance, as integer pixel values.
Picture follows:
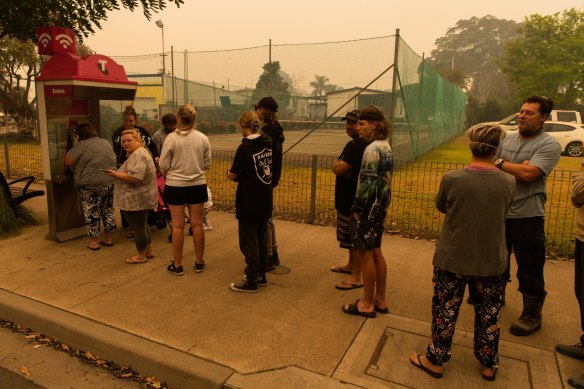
(319, 85)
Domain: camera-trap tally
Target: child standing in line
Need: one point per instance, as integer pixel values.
(252, 170)
(207, 207)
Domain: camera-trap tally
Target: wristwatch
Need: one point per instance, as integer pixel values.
(499, 163)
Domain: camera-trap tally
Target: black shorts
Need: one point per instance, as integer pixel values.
(181, 195)
(365, 235)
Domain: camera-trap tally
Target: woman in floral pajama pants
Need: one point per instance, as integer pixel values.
(471, 250)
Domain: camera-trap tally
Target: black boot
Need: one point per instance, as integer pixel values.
(530, 319)
(275, 258)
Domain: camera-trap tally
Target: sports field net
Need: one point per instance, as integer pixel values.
(315, 84)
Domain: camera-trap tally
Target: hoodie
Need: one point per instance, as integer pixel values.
(253, 165)
(276, 134)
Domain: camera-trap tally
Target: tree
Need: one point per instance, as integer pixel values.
(271, 83)
(19, 19)
(468, 56)
(18, 64)
(548, 58)
(321, 86)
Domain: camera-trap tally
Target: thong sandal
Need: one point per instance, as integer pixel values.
(93, 246)
(491, 377)
(347, 285)
(420, 366)
(338, 269)
(135, 261)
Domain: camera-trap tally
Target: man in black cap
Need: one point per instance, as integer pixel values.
(266, 110)
(347, 168)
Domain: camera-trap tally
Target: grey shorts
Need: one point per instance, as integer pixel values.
(343, 231)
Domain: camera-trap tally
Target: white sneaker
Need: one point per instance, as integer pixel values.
(207, 227)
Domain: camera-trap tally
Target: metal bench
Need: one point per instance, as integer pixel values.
(17, 194)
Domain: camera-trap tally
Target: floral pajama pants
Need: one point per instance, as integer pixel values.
(98, 205)
(487, 292)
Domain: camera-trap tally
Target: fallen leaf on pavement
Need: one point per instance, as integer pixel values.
(64, 347)
(126, 375)
(23, 370)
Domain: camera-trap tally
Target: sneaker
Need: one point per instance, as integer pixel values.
(207, 227)
(243, 286)
(261, 280)
(176, 271)
(199, 267)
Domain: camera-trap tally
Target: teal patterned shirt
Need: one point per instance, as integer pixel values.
(374, 188)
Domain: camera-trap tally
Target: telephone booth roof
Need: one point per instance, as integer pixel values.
(95, 68)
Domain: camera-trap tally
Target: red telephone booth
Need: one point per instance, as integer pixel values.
(70, 91)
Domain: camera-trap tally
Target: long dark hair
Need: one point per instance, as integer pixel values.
(85, 131)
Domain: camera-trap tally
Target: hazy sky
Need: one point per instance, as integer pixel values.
(230, 24)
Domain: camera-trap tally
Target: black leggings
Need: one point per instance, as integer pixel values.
(138, 220)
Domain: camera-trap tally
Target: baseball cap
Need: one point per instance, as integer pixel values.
(351, 115)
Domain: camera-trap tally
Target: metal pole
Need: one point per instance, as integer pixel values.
(393, 81)
(163, 68)
(270, 52)
(186, 72)
(173, 78)
(313, 190)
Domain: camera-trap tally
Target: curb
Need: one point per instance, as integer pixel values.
(175, 367)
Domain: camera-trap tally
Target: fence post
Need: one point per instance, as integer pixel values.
(6, 156)
(313, 189)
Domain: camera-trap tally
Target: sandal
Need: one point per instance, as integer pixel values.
(491, 377)
(107, 243)
(348, 285)
(136, 260)
(353, 309)
(130, 235)
(93, 245)
(421, 366)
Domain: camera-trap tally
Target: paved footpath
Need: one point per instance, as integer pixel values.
(192, 331)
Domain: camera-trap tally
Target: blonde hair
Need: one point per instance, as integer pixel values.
(249, 119)
(187, 115)
(135, 134)
(484, 139)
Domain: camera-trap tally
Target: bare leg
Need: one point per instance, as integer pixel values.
(196, 218)
(380, 278)
(177, 215)
(368, 270)
(355, 267)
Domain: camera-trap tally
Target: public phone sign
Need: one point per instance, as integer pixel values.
(52, 40)
(58, 91)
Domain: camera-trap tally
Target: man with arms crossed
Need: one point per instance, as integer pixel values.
(529, 155)
(347, 168)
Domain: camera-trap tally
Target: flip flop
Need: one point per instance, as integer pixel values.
(130, 235)
(338, 269)
(491, 377)
(93, 247)
(353, 309)
(344, 285)
(134, 261)
(150, 256)
(420, 366)
(383, 311)
(108, 244)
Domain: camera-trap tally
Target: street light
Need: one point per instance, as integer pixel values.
(161, 25)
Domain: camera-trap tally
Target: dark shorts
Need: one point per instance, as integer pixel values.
(181, 195)
(365, 235)
(343, 231)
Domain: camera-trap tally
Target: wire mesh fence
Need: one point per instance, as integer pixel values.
(315, 84)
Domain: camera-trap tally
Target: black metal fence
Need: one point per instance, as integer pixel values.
(307, 187)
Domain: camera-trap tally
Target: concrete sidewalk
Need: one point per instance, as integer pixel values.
(192, 331)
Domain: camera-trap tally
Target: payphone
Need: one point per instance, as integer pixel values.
(69, 91)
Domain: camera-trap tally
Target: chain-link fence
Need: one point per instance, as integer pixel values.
(314, 84)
